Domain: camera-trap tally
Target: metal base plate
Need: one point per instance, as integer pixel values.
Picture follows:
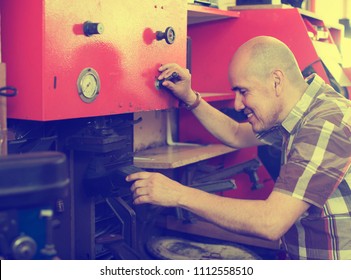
(170, 248)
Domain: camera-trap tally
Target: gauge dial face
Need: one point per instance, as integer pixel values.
(88, 84)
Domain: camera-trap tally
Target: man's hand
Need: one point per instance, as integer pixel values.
(181, 87)
(155, 188)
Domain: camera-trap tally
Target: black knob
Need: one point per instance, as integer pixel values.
(168, 35)
(174, 78)
(92, 28)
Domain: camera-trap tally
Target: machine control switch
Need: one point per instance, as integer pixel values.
(123, 171)
(92, 28)
(24, 248)
(169, 35)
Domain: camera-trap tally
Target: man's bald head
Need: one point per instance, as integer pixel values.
(267, 80)
(262, 55)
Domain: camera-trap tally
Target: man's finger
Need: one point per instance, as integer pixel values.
(166, 66)
(138, 176)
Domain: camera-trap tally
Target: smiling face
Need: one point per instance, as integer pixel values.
(255, 93)
(267, 81)
(257, 100)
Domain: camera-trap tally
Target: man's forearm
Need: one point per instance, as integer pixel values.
(237, 215)
(225, 129)
(269, 218)
(217, 123)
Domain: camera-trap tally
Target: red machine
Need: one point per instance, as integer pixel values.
(88, 65)
(80, 59)
(81, 69)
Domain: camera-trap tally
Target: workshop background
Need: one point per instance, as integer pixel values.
(81, 107)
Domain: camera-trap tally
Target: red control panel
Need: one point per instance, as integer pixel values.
(72, 59)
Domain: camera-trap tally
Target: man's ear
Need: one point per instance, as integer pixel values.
(278, 79)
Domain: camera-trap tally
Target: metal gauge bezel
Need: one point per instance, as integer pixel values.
(88, 84)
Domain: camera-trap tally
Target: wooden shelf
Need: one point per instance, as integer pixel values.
(210, 97)
(200, 14)
(168, 157)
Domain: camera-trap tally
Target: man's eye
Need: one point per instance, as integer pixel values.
(242, 92)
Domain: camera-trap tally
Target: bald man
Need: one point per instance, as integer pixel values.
(310, 205)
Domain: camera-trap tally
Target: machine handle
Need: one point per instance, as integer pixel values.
(169, 35)
(8, 91)
(92, 28)
(174, 77)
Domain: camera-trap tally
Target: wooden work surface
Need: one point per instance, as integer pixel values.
(200, 14)
(167, 157)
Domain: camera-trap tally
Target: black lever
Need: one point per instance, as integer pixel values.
(92, 28)
(122, 172)
(8, 91)
(169, 35)
(174, 77)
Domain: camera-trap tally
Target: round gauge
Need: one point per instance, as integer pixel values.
(88, 84)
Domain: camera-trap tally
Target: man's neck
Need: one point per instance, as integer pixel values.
(291, 98)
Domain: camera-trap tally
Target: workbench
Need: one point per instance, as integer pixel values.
(170, 157)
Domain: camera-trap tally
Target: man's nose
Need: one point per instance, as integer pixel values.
(238, 103)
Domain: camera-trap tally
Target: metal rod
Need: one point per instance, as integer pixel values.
(3, 114)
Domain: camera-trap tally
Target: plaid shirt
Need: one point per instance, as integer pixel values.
(316, 158)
